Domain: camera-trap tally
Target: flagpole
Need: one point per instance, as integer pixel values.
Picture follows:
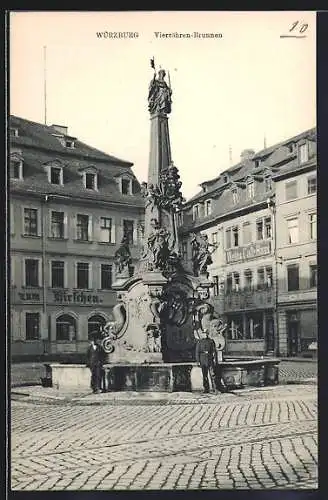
(45, 82)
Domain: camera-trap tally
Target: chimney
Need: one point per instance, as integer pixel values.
(247, 154)
(61, 129)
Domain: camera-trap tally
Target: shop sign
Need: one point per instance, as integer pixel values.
(248, 252)
(77, 298)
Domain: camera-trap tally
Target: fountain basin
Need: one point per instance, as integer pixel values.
(165, 377)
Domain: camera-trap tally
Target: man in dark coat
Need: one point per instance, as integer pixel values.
(207, 357)
(95, 363)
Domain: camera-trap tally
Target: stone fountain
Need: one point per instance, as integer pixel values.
(163, 307)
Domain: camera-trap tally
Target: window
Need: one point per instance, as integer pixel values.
(214, 237)
(106, 276)
(291, 190)
(259, 229)
(247, 233)
(195, 212)
(229, 282)
(292, 225)
(236, 281)
(235, 197)
(57, 274)
(304, 153)
(208, 207)
(248, 277)
(268, 228)
(56, 175)
(312, 184)
(16, 168)
(105, 230)
(260, 278)
(32, 322)
(57, 225)
(313, 276)
(290, 147)
(69, 143)
(90, 181)
(216, 285)
(313, 226)
(65, 328)
(31, 272)
(228, 238)
(126, 186)
(30, 222)
(13, 132)
(95, 324)
(235, 236)
(128, 230)
(82, 275)
(267, 183)
(268, 276)
(82, 227)
(254, 326)
(293, 277)
(250, 190)
(225, 179)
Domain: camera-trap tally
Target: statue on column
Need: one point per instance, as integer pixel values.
(159, 95)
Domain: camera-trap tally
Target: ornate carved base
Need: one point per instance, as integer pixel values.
(159, 377)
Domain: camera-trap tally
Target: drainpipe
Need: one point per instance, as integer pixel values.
(272, 207)
(44, 288)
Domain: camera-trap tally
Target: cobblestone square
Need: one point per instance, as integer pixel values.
(259, 439)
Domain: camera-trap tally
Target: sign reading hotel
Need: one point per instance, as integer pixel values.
(248, 252)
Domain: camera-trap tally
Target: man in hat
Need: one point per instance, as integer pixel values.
(207, 357)
(95, 362)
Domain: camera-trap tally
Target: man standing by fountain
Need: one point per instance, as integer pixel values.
(207, 357)
(95, 363)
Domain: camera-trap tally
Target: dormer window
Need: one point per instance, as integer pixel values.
(267, 183)
(13, 131)
(195, 212)
(208, 207)
(126, 186)
(257, 162)
(90, 181)
(69, 143)
(290, 147)
(303, 153)
(16, 167)
(250, 189)
(235, 197)
(225, 178)
(56, 175)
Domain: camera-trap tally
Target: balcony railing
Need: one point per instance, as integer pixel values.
(249, 299)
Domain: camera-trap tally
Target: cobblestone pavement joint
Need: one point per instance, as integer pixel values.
(261, 440)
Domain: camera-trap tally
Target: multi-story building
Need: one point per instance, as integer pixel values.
(70, 205)
(296, 215)
(237, 211)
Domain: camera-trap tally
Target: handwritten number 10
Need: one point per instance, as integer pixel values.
(303, 28)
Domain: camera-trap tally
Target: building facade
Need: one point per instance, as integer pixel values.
(296, 213)
(240, 213)
(70, 206)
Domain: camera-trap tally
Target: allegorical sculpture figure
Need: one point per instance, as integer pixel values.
(201, 253)
(159, 95)
(122, 257)
(158, 245)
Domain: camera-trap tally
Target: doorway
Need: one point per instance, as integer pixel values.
(293, 330)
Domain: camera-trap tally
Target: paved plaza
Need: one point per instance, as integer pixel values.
(252, 439)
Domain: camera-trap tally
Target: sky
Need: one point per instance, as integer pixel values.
(229, 92)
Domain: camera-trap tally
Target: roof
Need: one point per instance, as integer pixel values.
(39, 148)
(273, 156)
(33, 134)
